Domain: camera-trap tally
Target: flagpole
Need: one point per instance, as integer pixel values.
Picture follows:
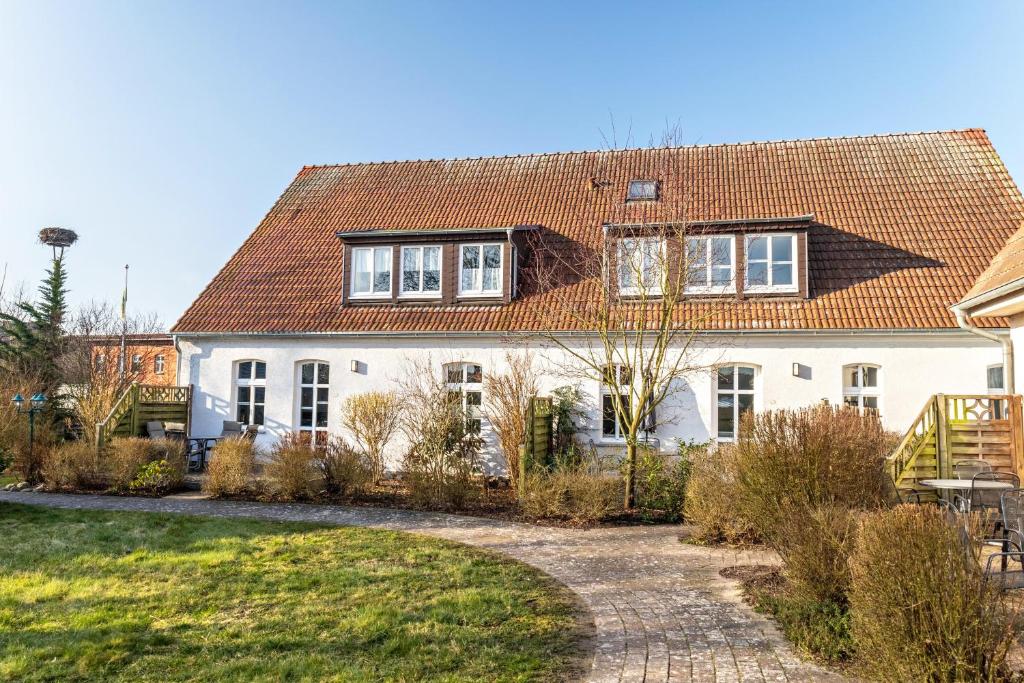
(124, 324)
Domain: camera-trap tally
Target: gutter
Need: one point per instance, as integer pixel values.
(1004, 341)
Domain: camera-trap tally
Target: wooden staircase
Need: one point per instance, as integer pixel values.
(142, 403)
(951, 428)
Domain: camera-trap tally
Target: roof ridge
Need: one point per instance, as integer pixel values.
(532, 155)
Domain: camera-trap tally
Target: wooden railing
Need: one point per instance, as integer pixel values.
(142, 401)
(951, 428)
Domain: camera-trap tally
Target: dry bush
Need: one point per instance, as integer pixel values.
(292, 470)
(508, 400)
(230, 470)
(373, 418)
(661, 481)
(72, 466)
(126, 457)
(344, 469)
(792, 461)
(711, 493)
(440, 465)
(573, 492)
(816, 552)
(922, 609)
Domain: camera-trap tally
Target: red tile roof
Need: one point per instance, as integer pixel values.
(1006, 267)
(904, 224)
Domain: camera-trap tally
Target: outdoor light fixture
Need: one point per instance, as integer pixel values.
(796, 369)
(37, 404)
(355, 366)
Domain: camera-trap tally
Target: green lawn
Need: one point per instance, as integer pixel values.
(138, 596)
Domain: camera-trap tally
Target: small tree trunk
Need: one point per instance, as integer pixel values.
(629, 500)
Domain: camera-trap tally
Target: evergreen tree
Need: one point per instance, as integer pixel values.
(32, 338)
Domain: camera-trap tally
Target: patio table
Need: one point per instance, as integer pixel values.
(964, 484)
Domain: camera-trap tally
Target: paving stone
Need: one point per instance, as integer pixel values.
(661, 611)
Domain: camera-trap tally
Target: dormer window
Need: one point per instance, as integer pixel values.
(710, 264)
(371, 272)
(771, 263)
(421, 271)
(480, 269)
(640, 190)
(640, 265)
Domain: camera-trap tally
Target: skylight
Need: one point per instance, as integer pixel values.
(642, 189)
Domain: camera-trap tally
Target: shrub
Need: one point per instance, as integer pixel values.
(508, 399)
(126, 457)
(661, 481)
(345, 470)
(565, 415)
(6, 459)
(792, 461)
(710, 504)
(230, 470)
(292, 470)
(157, 477)
(576, 492)
(373, 419)
(922, 609)
(821, 628)
(816, 550)
(71, 466)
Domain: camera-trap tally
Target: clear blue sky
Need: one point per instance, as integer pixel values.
(163, 131)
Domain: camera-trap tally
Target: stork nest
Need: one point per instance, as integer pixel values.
(58, 237)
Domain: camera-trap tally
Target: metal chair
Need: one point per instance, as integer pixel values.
(989, 499)
(967, 469)
(1010, 570)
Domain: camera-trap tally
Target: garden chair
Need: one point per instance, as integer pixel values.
(155, 430)
(1010, 569)
(980, 499)
(966, 469)
(231, 429)
(195, 449)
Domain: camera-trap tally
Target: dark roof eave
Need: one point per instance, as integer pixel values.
(430, 232)
(776, 220)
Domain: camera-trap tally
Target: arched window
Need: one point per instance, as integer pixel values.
(734, 397)
(313, 399)
(467, 380)
(250, 390)
(861, 387)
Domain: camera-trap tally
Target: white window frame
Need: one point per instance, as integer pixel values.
(474, 413)
(478, 290)
(318, 434)
(708, 287)
(373, 273)
(623, 254)
(607, 389)
(252, 383)
(419, 293)
(860, 392)
(643, 197)
(735, 393)
(998, 391)
(159, 364)
(794, 263)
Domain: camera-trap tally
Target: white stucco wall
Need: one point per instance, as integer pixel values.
(913, 367)
(1017, 338)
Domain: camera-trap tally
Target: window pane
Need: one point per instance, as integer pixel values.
(651, 262)
(323, 373)
(726, 417)
(432, 269)
(757, 273)
(871, 403)
(746, 378)
(261, 370)
(243, 394)
(628, 264)
(306, 417)
(411, 270)
(642, 189)
(381, 270)
(454, 374)
(851, 377)
(257, 418)
(473, 398)
(474, 374)
(745, 403)
(321, 415)
(851, 401)
(725, 379)
(782, 274)
(306, 400)
(721, 275)
(307, 373)
(243, 413)
(995, 377)
(473, 426)
(361, 267)
(870, 377)
(607, 416)
(757, 248)
(261, 395)
(321, 395)
(782, 248)
(492, 268)
(470, 267)
(245, 370)
(721, 251)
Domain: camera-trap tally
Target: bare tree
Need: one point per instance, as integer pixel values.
(508, 399)
(373, 419)
(624, 290)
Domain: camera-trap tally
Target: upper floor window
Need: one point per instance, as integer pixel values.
(250, 391)
(159, 364)
(860, 387)
(136, 362)
(371, 271)
(734, 397)
(466, 380)
(480, 269)
(771, 263)
(314, 399)
(421, 271)
(710, 263)
(642, 189)
(100, 362)
(640, 264)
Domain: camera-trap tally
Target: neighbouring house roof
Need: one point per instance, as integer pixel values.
(1004, 276)
(902, 226)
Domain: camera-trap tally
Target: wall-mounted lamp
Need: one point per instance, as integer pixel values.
(355, 366)
(796, 369)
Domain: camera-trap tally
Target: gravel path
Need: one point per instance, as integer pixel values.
(661, 611)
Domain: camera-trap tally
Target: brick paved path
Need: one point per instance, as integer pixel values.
(661, 611)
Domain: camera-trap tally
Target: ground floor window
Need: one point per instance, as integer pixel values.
(466, 380)
(314, 399)
(860, 387)
(734, 397)
(250, 391)
(996, 384)
(618, 378)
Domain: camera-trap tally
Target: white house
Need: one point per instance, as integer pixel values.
(830, 270)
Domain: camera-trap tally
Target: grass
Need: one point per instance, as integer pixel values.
(90, 595)
(6, 479)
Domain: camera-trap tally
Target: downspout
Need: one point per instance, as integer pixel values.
(1005, 342)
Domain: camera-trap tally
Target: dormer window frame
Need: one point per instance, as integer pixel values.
(478, 291)
(709, 266)
(420, 293)
(771, 262)
(372, 249)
